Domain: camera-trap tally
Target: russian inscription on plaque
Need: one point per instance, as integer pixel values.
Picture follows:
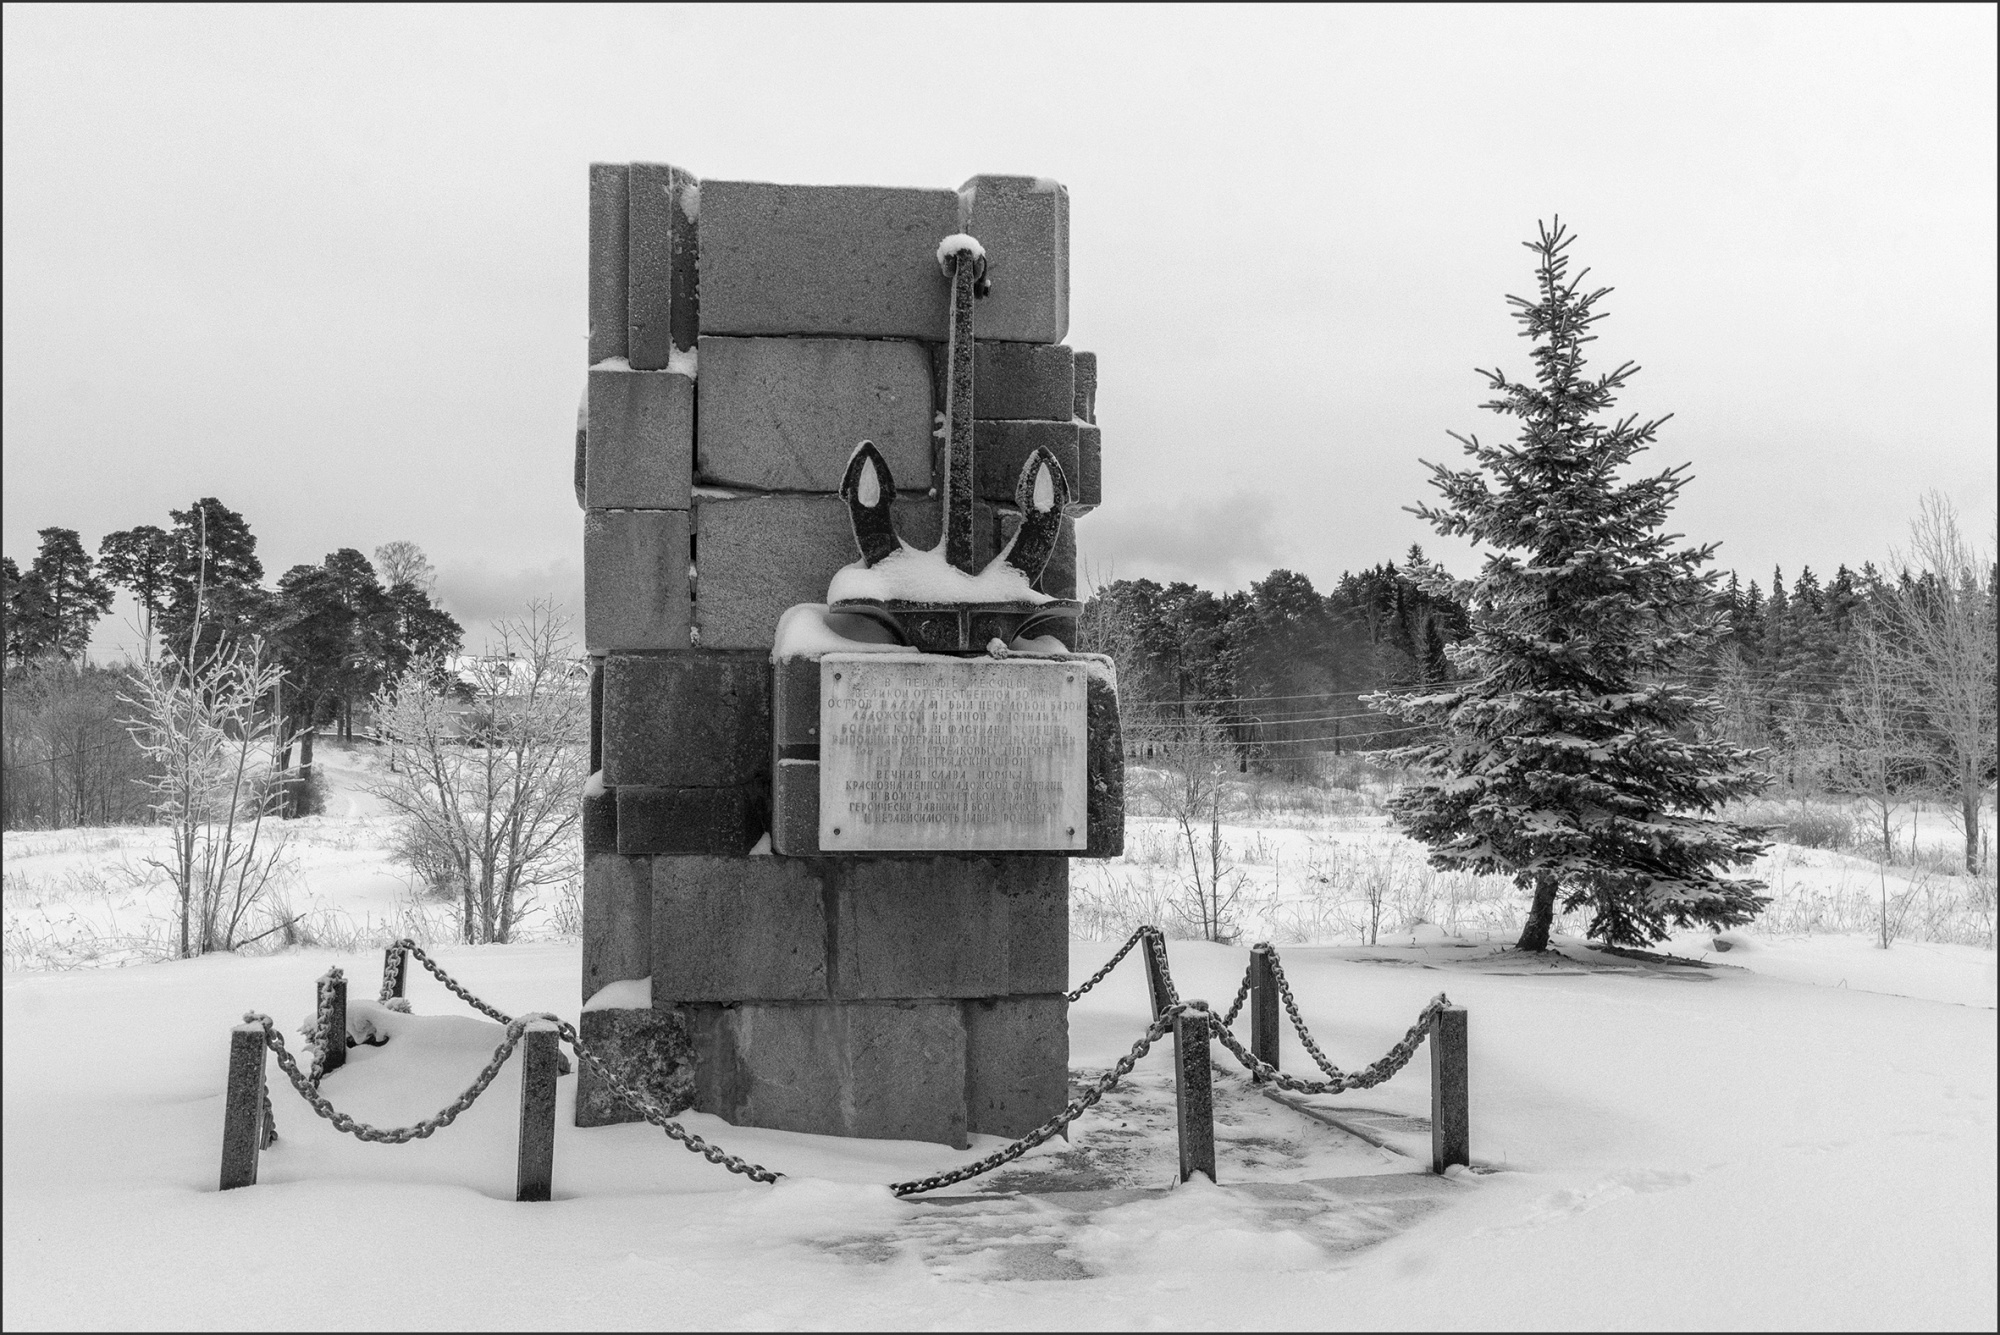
(939, 754)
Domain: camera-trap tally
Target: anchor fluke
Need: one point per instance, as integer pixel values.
(1042, 494)
(869, 491)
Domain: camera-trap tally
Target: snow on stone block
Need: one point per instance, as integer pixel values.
(635, 993)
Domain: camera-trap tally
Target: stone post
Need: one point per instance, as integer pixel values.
(1264, 1003)
(1451, 1130)
(243, 1107)
(1194, 1095)
(534, 1171)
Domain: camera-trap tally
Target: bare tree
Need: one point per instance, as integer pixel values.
(403, 562)
(1871, 752)
(200, 725)
(1944, 632)
(486, 762)
(1197, 761)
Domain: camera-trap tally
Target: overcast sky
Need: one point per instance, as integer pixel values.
(327, 264)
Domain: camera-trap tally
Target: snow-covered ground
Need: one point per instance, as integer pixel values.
(1799, 1135)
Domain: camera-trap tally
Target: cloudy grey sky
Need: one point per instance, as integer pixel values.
(328, 264)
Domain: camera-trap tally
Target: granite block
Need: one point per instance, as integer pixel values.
(1016, 1063)
(891, 1070)
(608, 205)
(617, 920)
(644, 1048)
(640, 452)
(688, 719)
(784, 414)
(635, 584)
(662, 292)
(1023, 222)
(737, 929)
(848, 261)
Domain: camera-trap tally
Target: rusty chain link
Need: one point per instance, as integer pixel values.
(1298, 1021)
(1074, 1109)
(1109, 964)
(1393, 1061)
(451, 984)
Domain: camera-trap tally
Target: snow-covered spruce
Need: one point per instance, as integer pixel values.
(1569, 758)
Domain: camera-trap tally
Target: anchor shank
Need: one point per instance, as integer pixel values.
(958, 419)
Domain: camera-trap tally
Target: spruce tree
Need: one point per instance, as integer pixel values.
(1567, 756)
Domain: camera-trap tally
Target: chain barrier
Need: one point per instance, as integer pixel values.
(1109, 964)
(1166, 973)
(1298, 1021)
(1076, 1108)
(1393, 1061)
(638, 1101)
(400, 1135)
(322, 1023)
(1236, 1006)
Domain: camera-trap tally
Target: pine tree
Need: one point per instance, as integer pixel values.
(1568, 759)
(140, 559)
(58, 601)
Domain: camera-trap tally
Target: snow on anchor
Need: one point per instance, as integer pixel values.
(932, 598)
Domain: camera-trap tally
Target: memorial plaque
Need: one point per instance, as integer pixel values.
(950, 754)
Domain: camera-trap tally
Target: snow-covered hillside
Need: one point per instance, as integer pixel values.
(1800, 1134)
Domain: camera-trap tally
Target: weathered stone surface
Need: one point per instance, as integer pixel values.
(850, 261)
(535, 1147)
(1090, 469)
(640, 450)
(635, 585)
(1106, 802)
(607, 260)
(1014, 381)
(737, 929)
(600, 824)
(687, 719)
(795, 808)
(684, 821)
(760, 555)
(950, 926)
(243, 1107)
(596, 713)
(662, 301)
(1001, 448)
(1023, 222)
(647, 1049)
(617, 920)
(1016, 1063)
(795, 706)
(582, 445)
(1085, 406)
(783, 414)
(892, 1070)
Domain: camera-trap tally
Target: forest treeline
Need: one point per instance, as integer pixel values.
(1281, 672)
(338, 630)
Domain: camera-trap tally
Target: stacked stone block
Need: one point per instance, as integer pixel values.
(744, 337)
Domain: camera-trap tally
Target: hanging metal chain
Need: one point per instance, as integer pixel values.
(451, 983)
(1298, 1021)
(1076, 1108)
(322, 1023)
(1393, 1061)
(400, 1135)
(1110, 964)
(389, 969)
(653, 1113)
(644, 1106)
(270, 1118)
(1166, 973)
(1236, 1006)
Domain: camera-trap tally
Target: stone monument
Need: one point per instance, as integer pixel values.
(831, 456)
